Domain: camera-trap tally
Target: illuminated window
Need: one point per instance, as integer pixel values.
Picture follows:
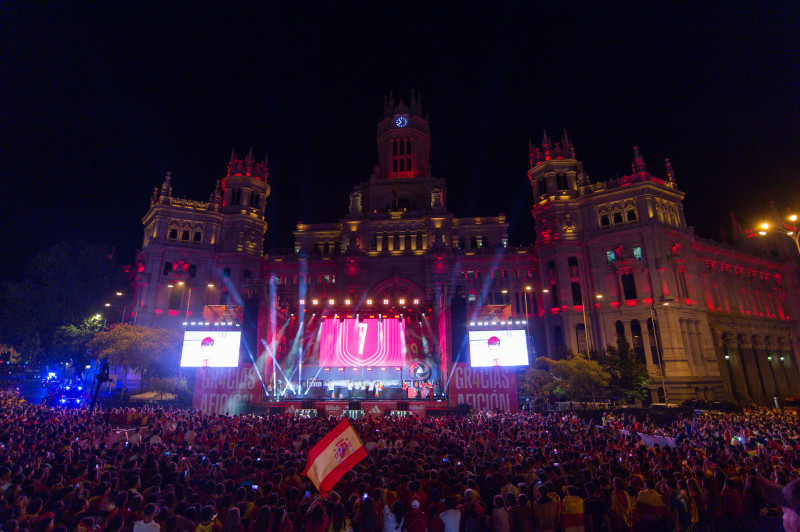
(611, 256)
(473, 298)
(637, 253)
(385, 301)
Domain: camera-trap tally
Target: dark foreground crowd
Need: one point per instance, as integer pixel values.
(165, 471)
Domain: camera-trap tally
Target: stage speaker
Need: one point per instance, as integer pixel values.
(462, 409)
(458, 326)
(249, 344)
(307, 404)
(354, 405)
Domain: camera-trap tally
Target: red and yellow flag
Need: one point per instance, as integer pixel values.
(335, 454)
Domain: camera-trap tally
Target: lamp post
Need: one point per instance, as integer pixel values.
(657, 334)
(527, 319)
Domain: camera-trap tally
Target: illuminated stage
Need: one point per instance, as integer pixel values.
(325, 361)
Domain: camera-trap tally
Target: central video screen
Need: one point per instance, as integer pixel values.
(498, 348)
(369, 342)
(212, 349)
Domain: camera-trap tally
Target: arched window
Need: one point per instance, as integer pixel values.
(554, 301)
(419, 239)
(408, 240)
(562, 181)
(175, 297)
(654, 342)
(631, 215)
(577, 299)
(473, 242)
(185, 235)
(173, 234)
(396, 240)
(385, 242)
(638, 341)
(580, 337)
(198, 237)
(620, 329)
(605, 221)
(558, 337)
(373, 242)
(628, 286)
(617, 218)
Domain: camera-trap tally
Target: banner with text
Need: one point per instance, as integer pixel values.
(226, 390)
(491, 388)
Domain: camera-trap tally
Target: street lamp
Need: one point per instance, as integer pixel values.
(783, 229)
(657, 334)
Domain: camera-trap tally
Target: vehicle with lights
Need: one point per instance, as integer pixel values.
(67, 397)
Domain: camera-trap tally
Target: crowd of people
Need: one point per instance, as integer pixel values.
(154, 470)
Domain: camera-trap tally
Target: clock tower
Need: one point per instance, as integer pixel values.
(404, 139)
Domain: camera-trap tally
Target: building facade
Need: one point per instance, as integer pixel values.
(612, 258)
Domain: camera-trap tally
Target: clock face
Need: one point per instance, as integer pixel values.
(401, 121)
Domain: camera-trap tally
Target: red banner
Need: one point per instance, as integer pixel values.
(226, 390)
(492, 388)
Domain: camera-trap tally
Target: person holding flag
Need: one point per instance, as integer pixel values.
(333, 456)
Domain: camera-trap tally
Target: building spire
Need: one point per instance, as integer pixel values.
(670, 172)
(248, 163)
(232, 162)
(546, 146)
(638, 166)
(531, 154)
(166, 189)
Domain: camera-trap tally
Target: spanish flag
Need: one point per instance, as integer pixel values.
(335, 454)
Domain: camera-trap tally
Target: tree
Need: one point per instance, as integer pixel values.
(152, 351)
(581, 378)
(629, 377)
(71, 341)
(538, 385)
(62, 286)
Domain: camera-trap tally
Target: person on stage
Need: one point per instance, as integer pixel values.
(378, 389)
(359, 389)
(350, 389)
(369, 390)
(331, 390)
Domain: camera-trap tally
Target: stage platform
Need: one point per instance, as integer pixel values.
(374, 408)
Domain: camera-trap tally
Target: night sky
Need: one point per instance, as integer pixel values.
(99, 101)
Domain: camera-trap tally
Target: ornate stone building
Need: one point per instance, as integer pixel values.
(613, 258)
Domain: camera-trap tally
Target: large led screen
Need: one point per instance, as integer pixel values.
(369, 342)
(498, 348)
(213, 349)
